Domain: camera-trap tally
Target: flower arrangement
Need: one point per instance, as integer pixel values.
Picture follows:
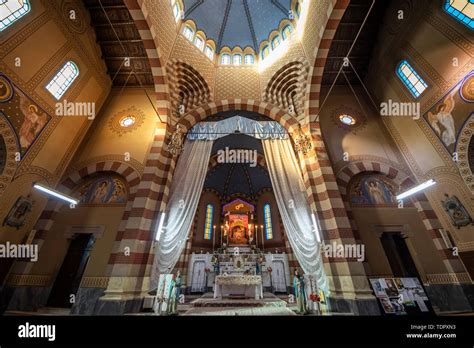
(314, 297)
(207, 270)
(269, 269)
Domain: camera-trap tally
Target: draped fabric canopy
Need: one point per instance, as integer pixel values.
(188, 181)
(287, 182)
(257, 129)
(290, 194)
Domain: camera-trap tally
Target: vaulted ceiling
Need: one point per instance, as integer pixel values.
(119, 39)
(345, 38)
(237, 22)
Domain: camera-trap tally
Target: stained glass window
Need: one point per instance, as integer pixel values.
(286, 32)
(225, 59)
(176, 11)
(267, 216)
(237, 59)
(265, 52)
(188, 33)
(249, 60)
(11, 11)
(411, 79)
(209, 52)
(208, 224)
(199, 43)
(63, 79)
(275, 42)
(462, 10)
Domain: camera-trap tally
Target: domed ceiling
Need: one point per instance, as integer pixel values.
(237, 22)
(232, 178)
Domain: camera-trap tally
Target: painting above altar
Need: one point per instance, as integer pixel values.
(239, 216)
(238, 229)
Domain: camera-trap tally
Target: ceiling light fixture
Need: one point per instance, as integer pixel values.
(55, 193)
(416, 189)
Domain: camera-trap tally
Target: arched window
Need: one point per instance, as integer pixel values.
(63, 80)
(208, 224)
(199, 43)
(237, 59)
(265, 52)
(286, 32)
(209, 52)
(411, 79)
(267, 216)
(298, 8)
(276, 42)
(11, 11)
(176, 11)
(188, 33)
(462, 10)
(249, 59)
(225, 59)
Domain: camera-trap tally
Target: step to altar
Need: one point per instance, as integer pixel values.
(269, 300)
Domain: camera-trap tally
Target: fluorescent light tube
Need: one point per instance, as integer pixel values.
(316, 229)
(160, 226)
(416, 189)
(55, 194)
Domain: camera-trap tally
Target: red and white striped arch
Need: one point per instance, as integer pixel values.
(421, 203)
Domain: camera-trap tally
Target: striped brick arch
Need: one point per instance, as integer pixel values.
(314, 87)
(148, 34)
(71, 181)
(271, 111)
(188, 89)
(421, 203)
(287, 87)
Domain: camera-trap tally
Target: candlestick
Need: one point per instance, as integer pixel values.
(213, 238)
(222, 229)
(256, 236)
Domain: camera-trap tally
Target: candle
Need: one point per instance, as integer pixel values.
(213, 238)
(263, 240)
(256, 236)
(222, 228)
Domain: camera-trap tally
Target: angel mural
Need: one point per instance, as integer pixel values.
(103, 190)
(372, 190)
(26, 117)
(443, 122)
(449, 114)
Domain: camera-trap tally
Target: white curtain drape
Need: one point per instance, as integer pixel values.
(256, 129)
(288, 186)
(186, 188)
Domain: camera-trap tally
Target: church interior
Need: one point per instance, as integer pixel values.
(237, 157)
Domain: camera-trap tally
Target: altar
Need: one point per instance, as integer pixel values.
(240, 285)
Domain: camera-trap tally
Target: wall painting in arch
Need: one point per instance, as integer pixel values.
(103, 189)
(27, 118)
(448, 116)
(372, 190)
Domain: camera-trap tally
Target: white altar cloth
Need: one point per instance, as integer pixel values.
(246, 285)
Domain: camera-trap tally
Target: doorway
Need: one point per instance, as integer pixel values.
(199, 277)
(278, 277)
(72, 269)
(398, 255)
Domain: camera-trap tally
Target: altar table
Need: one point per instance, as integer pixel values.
(248, 285)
